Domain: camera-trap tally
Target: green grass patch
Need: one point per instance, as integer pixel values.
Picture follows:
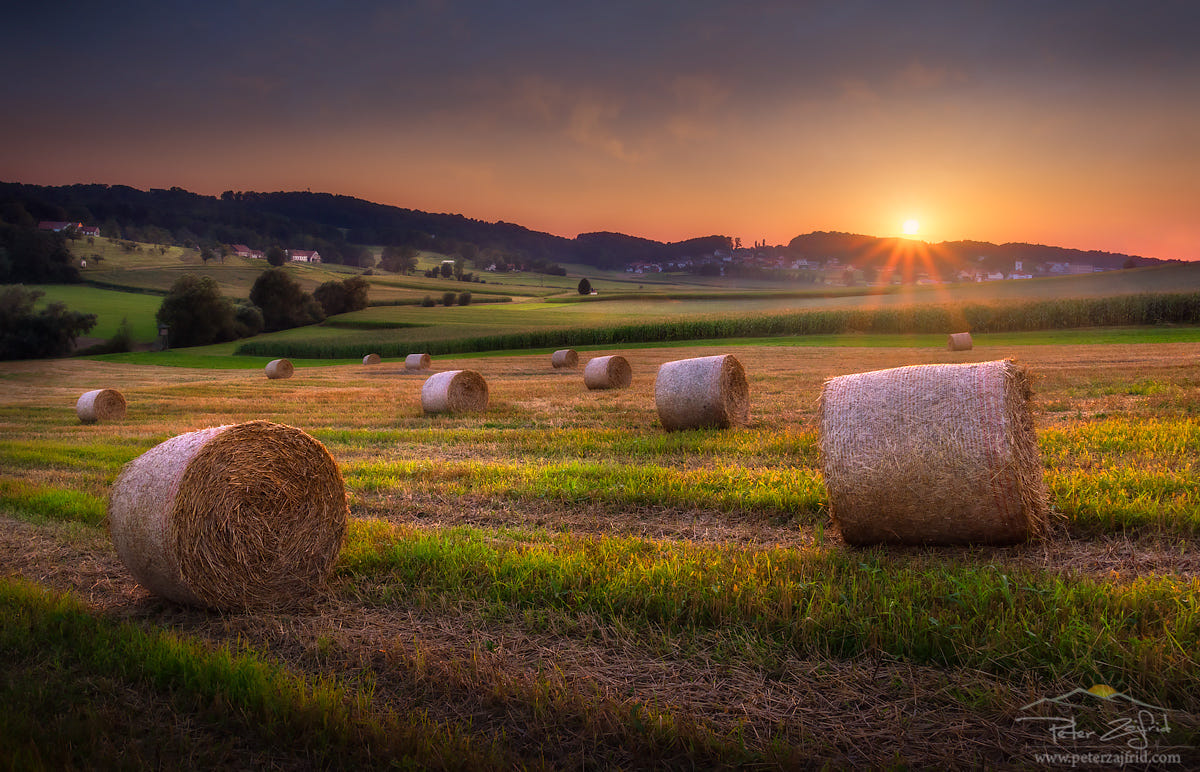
(109, 306)
(787, 492)
(33, 502)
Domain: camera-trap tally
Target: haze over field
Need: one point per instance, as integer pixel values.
(1074, 123)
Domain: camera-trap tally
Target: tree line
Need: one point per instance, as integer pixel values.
(336, 226)
(197, 314)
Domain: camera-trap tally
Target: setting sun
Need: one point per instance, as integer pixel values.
(910, 227)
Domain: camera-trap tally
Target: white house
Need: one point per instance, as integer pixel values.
(304, 255)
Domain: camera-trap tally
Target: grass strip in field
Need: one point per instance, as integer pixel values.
(1128, 500)
(757, 446)
(46, 637)
(927, 608)
(94, 457)
(789, 492)
(27, 500)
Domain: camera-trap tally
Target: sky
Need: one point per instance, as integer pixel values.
(1074, 123)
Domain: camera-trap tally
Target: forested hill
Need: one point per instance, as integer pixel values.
(868, 252)
(340, 226)
(337, 226)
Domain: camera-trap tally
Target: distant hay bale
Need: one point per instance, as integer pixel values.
(454, 391)
(705, 392)
(959, 341)
(564, 358)
(371, 359)
(416, 362)
(251, 515)
(279, 368)
(608, 372)
(100, 405)
(933, 454)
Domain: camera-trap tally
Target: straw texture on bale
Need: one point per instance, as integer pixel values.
(279, 368)
(100, 405)
(933, 454)
(705, 392)
(564, 358)
(251, 515)
(454, 391)
(959, 341)
(416, 362)
(610, 372)
(371, 359)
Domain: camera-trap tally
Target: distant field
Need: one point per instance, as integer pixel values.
(547, 303)
(109, 306)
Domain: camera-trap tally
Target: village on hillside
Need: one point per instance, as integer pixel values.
(746, 262)
(241, 250)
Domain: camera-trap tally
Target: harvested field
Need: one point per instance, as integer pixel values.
(561, 582)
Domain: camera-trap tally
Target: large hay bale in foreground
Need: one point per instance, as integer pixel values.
(100, 405)
(279, 368)
(371, 359)
(933, 454)
(705, 392)
(564, 358)
(245, 516)
(417, 362)
(454, 391)
(959, 341)
(609, 372)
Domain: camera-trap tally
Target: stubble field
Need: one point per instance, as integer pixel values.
(560, 583)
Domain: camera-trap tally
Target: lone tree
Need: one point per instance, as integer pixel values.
(585, 287)
(196, 314)
(275, 255)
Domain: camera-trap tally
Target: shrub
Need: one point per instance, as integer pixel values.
(427, 302)
(585, 287)
(248, 319)
(122, 339)
(26, 334)
(449, 298)
(464, 298)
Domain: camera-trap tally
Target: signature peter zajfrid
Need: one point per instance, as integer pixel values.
(1140, 722)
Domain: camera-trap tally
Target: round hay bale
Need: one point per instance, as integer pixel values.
(564, 358)
(959, 341)
(454, 391)
(933, 454)
(416, 362)
(251, 515)
(705, 392)
(610, 372)
(100, 405)
(371, 359)
(279, 368)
